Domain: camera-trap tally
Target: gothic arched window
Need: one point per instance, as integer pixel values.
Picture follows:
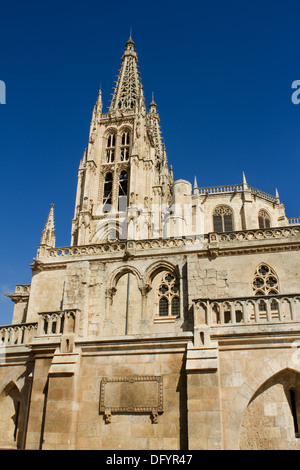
(223, 219)
(265, 281)
(107, 191)
(123, 186)
(264, 219)
(168, 296)
(125, 145)
(110, 148)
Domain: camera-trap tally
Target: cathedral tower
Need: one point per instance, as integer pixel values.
(124, 170)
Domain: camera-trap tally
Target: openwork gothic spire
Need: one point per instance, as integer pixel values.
(128, 93)
(48, 236)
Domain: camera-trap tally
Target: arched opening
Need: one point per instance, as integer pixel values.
(10, 417)
(223, 219)
(271, 419)
(123, 188)
(264, 220)
(125, 146)
(126, 307)
(110, 148)
(107, 192)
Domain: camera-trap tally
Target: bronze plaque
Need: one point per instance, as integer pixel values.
(133, 394)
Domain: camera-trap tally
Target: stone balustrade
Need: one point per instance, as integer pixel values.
(123, 247)
(49, 323)
(263, 195)
(23, 289)
(220, 189)
(248, 310)
(234, 188)
(294, 220)
(58, 323)
(258, 234)
(21, 333)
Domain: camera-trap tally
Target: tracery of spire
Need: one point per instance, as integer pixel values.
(155, 130)
(98, 107)
(128, 92)
(48, 236)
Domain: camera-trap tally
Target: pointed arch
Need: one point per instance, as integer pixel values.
(110, 147)
(264, 219)
(163, 279)
(10, 401)
(119, 272)
(223, 219)
(108, 229)
(125, 307)
(274, 406)
(107, 191)
(157, 267)
(123, 191)
(242, 395)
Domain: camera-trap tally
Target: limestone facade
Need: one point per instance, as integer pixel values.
(172, 321)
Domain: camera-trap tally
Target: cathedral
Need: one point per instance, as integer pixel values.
(171, 322)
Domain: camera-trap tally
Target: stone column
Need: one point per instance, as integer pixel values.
(38, 401)
(203, 397)
(60, 423)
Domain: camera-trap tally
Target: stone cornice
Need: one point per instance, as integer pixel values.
(131, 344)
(21, 293)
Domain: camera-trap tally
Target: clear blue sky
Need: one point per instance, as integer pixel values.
(221, 72)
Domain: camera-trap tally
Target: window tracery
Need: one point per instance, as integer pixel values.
(110, 148)
(168, 296)
(265, 281)
(107, 191)
(123, 186)
(264, 219)
(223, 219)
(125, 145)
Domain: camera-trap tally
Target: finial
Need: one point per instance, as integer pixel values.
(48, 237)
(130, 40)
(245, 184)
(277, 194)
(153, 102)
(195, 190)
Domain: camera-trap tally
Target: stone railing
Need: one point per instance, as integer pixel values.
(131, 247)
(248, 310)
(258, 234)
(121, 247)
(58, 323)
(220, 189)
(294, 220)
(21, 333)
(23, 289)
(234, 188)
(263, 195)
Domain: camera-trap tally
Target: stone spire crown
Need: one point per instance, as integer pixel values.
(128, 93)
(48, 235)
